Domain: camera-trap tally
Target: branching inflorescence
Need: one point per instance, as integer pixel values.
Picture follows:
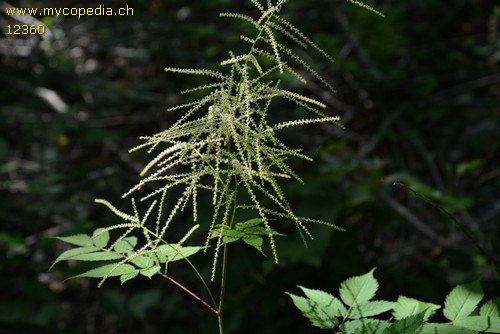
(225, 144)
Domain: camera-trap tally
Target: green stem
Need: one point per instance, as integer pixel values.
(212, 298)
(230, 221)
(225, 257)
(223, 289)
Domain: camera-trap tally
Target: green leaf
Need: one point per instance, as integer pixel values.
(408, 306)
(484, 324)
(249, 223)
(314, 312)
(249, 232)
(183, 252)
(231, 236)
(491, 308)
(108, 270)
(358, 289)
(77, 240)
(67, 255)
(254, 241)
(143, 261)
(329, 303)
(408, 325)
(462, 300)
(96, 256)
(364, 326)
(433, 328)
(126, 245)
(174, 252)
(370, 309)
(150, 271)
(217, 230)
(351, 326)
(260, 230)
(128, 276)
(371, 326)
(100, 237)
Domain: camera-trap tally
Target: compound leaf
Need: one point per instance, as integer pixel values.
(250, 232)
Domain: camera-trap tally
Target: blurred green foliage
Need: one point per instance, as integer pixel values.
(418, 93)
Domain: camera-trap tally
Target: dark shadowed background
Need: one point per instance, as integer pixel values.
(418, 92)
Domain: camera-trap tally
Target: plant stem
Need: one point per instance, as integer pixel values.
(222, 289)
(225, 256)
(192, 294)
(230, 222)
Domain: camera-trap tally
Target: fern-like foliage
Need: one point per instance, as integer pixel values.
(129, 259)
(354, 312)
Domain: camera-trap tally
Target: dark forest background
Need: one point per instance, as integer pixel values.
(418, 93)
